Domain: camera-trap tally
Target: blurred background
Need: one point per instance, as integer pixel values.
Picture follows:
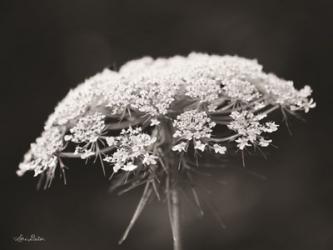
(282, 203)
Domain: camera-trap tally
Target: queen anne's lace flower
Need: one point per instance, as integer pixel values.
(196, 126)
(87, 95)
(192, 93)
(150, 116)
(132, 148)
(88, 129)
(248, 127)
(193, 125)
(205, 90)
(240, 90)
(283, 93)
(42, 154)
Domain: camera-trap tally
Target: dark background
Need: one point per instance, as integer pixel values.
(47, 47)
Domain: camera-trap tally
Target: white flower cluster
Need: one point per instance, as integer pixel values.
(193, 125)
(42, 154)
(240, 90)
(88, 129)
(133, 148)
(151, 86)
(196, 126)
(283, 93)
(165, 88)
(78, 101)
(249, 129)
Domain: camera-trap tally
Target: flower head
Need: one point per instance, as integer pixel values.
(88, 129)
(42, 156)
(241, 90)
(193, 125)
(132, 148)
(283, 93)
(193, 93)
(249, 129)
(88, 95)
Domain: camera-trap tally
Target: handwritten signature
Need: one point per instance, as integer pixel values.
(31, 238)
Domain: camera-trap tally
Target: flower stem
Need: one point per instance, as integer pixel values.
(172, 175)
(175, 215)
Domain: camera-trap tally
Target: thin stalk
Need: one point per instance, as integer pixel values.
(175, 216)
(143, 201)
(78, 155)
(229, 138)
(172, 192)
(270, 110)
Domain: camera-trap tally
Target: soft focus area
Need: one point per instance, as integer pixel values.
(283, 202)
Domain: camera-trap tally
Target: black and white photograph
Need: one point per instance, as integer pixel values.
(166, 125)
